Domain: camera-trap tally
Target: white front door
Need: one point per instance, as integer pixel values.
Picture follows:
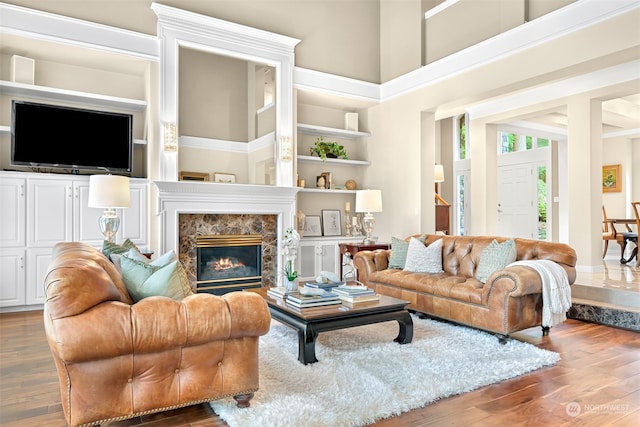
(517, 201)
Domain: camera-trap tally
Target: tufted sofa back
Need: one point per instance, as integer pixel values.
(461, 254)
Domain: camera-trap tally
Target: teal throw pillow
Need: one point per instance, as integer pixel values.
(145, 280)
(399, 248)
(424, 259)
(495, 257)
(109, 248)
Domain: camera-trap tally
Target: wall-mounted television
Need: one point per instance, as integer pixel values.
(55, 136)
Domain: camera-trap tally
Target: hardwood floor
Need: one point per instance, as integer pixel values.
(599, 371)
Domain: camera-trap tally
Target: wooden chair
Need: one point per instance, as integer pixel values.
(609, 232)
(632, 236)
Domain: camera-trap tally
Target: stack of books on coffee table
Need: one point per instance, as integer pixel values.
(279, 292)
(307, 301)
(355, 294)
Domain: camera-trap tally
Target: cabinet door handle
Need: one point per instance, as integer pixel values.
(22, 262)
(22, 191)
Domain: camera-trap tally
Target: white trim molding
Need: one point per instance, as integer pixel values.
(571, 18)
(33, 23)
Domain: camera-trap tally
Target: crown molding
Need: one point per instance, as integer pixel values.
(36, 24)
(332, 84)
(571, 18)
(222, 32)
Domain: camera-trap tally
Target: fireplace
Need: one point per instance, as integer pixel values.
(227, 263)
(187, 209)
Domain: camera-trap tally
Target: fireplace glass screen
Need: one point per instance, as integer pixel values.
(228, 263)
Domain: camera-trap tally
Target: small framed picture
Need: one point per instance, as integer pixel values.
(193, 176)
(331, 223)
(611, 179)
(312, 226)
(227, 178)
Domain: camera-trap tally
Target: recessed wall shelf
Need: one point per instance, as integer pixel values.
(314, 159)
(54, 94)
(327, 131)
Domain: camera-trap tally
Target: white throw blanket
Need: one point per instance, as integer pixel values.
(556, 292)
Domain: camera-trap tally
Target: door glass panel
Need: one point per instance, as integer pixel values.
(542, 202)
(460, 210)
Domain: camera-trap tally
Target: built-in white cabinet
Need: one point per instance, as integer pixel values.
(40, 210)
(12, 214)
(12, 285)
(317, 254)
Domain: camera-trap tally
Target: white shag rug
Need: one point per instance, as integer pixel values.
(362, 375)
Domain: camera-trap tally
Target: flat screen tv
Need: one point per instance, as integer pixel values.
(73, 138)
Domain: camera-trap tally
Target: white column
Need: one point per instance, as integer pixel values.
(584, 167)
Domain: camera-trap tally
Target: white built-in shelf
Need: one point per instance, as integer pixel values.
(327, 131)
(140, 141)
(323, 190)
(53, 94)
(5, 129)
(314, 159)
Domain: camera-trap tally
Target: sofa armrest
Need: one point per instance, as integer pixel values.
(516, 281)
(368, 262)
(156, 324)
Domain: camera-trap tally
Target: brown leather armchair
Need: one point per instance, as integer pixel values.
(118, 360)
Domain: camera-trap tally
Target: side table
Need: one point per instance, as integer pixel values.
(350, 249)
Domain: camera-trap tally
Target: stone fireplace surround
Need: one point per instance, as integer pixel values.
(231, 207)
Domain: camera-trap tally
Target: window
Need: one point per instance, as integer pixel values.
(511, 143)
(461, 133)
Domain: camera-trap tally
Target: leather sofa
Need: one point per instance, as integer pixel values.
(117, 359)
(509, 301)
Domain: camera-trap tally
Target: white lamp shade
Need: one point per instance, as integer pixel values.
(109, 191)
(368, 201)
(438, 173)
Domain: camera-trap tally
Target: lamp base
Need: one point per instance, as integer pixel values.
(368, 224)
(109, 224)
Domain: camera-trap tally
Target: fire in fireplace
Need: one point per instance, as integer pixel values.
(228, 263)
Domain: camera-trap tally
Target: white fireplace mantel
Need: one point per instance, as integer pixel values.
(187, 197)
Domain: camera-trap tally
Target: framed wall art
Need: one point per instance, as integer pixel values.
(312, 226)
(611, 179)
(331, 223)
(193, 176)
(227, 178)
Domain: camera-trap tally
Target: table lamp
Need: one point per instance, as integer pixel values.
(109, 192)
(438, 177)
(368, 201)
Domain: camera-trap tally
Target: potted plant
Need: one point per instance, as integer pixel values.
(326, 149)
(290, 250)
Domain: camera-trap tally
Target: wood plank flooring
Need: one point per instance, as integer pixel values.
(599, 371)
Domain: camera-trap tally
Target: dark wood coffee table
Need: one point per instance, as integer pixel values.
(309, 322)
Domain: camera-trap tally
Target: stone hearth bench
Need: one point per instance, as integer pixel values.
(509, 301)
